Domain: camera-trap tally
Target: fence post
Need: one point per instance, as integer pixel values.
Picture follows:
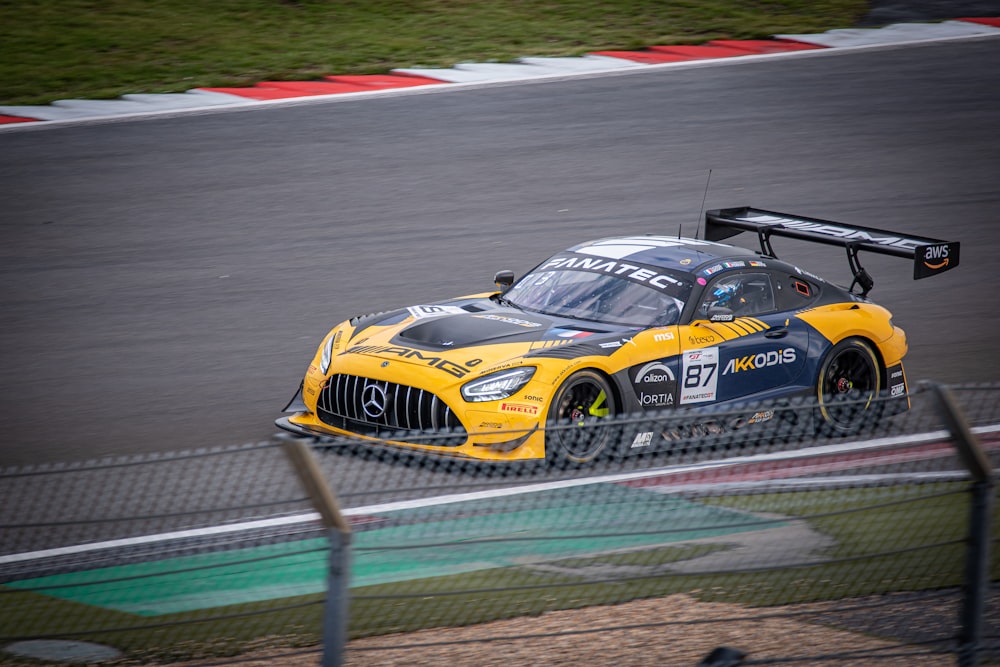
(977, 555)
(339, 531)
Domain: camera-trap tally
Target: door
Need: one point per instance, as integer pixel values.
(739, 344)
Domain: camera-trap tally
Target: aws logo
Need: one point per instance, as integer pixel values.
(936, 257)
(752, 362)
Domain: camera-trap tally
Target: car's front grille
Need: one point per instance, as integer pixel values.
(383, 409)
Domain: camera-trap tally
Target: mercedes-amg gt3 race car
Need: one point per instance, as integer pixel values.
(618, 327)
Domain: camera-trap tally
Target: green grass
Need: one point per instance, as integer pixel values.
(91, 49)
(891, 519)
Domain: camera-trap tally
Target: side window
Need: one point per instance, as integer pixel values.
(743, 293)
(796, 292)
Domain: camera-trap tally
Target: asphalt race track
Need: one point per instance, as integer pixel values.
(166, 281)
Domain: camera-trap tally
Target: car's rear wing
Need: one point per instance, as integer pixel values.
(930, 256)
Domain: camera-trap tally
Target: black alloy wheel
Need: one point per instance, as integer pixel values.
(848, 388)
(574, 434)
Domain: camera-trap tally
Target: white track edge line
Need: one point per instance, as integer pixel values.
(480, 495)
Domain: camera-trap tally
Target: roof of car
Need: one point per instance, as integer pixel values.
(678, 253)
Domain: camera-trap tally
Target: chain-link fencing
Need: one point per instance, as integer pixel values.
(784, 545)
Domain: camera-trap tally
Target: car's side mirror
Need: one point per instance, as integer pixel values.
(720, 314)
(503, 280)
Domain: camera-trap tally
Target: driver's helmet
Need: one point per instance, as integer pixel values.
(725, 293)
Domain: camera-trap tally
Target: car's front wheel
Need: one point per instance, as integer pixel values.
(848, 388)
(574, 433)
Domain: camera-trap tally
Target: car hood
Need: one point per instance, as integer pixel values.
(480, 330)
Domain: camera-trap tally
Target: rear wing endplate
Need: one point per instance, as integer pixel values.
(930, 256)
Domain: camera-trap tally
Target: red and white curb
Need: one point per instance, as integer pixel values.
(524, 69)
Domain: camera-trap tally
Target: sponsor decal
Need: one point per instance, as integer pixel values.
(808, 274)
(685, 261)
(564, 371)
(616, 343)
(655, 385)
(536, 399)
(510, 320)
(498, 367)
(936, 256)
(450, 367)
(700, 377)
(643, 439)
(896, 374)
(490, 425)
(753, 362)
(655, 372)
(828, 229)
(712, 269)
(519, 408)
(761, 417)
(663, 336)
(623, 269)
(897, 389)
(722, 317)
(420, 312)
(336, 340)
(738, 264)
(754, 262)
(701, 340)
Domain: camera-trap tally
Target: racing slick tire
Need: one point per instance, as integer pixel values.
(848, 387)
(573, 433)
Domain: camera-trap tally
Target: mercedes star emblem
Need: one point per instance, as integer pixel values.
(373, 400)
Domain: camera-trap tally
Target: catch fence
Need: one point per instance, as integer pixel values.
(772, 543)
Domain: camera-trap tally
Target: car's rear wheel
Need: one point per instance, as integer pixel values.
(848, 388)
(574, 433)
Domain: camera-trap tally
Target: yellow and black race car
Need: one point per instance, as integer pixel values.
(617, 327)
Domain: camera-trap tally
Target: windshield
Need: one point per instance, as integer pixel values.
(599, 297)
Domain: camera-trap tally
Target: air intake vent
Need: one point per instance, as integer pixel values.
(383, 409)
(567, 351)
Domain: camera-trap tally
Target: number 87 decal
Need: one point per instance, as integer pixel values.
(700, 375)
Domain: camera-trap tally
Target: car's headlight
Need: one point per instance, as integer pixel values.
(327, 355)
(497, 385)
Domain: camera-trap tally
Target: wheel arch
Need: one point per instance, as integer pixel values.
(876, 349)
